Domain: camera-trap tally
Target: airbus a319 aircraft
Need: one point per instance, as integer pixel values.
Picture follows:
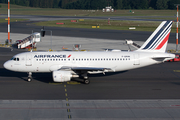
(66, 65)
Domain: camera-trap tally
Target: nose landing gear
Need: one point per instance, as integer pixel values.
(29, 79)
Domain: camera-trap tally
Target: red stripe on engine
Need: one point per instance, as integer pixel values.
(163, 42)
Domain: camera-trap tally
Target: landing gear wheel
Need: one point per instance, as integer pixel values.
(86, 81)
(29, 79)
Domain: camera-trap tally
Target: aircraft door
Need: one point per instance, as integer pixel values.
(136, 59)
(28, 60)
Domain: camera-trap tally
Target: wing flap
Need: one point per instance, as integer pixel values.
(85, 68)
(90, 68)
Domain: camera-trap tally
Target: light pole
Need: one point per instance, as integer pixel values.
(177, 6)
(9, 21)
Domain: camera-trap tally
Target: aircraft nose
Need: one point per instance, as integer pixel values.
(6, 65)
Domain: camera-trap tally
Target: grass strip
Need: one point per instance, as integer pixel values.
(103, 24)
(12, 20)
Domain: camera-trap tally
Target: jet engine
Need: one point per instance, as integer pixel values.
(61, 76)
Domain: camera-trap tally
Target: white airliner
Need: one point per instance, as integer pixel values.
(65, 65)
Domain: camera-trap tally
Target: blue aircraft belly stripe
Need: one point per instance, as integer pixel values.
(157, 34)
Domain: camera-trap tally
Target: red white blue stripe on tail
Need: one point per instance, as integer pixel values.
(159, 38)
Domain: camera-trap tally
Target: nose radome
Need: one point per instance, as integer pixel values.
(6, 65)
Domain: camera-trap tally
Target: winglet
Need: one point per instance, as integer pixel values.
(159, 38)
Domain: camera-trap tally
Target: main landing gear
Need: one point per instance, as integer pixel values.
(85, 77)
(86, 80)
(29, 79)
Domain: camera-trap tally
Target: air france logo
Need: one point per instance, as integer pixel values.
(51, 56)
(69, 56)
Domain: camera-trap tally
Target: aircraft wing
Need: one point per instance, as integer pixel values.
(86, 68)
(90, 68)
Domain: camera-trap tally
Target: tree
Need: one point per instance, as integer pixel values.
(98, 4)
(144, 4)
(3, 1)
(172, 2)
(152, 3)
(55, 4)
(119, 4)
(162, 4)
(126, 4)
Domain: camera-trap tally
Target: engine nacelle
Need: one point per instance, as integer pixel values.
(61, 76)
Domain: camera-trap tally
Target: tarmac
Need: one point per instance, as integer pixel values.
(59, 43)
(90, 109)
(150, 93)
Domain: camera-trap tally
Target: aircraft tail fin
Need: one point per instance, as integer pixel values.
(158, 39)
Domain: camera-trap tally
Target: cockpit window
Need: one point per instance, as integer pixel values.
(15, 59)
